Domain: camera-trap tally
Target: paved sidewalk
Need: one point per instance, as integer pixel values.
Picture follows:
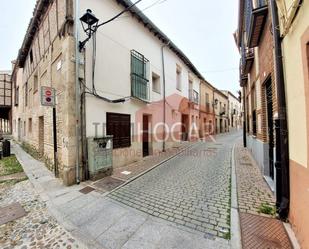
(100, 222)
(259, 227)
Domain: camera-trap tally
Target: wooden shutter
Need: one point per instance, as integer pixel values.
(119, 125)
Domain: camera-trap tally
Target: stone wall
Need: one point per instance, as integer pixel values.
(50, 62)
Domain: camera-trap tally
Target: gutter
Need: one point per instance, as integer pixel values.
(164, 94)
(244, 119)
(281, 128)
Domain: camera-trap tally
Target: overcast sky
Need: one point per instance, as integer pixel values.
(202, 29)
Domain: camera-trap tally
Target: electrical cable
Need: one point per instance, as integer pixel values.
(148, 7)
(116, 16)
(94, 46)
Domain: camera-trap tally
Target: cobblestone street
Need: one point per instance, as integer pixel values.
(38, 229)
(192, 189)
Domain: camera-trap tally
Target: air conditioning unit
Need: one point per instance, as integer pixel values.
(100, 155)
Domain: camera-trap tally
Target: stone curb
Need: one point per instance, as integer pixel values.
(235, 221)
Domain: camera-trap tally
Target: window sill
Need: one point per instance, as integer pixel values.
(158, 92)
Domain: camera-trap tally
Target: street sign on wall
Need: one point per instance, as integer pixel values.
(48, 96)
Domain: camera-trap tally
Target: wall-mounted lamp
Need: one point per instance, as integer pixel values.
(89, 23)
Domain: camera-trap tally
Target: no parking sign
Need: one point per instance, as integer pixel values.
(48, 96)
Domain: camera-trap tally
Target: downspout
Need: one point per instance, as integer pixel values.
(282, 146)
(164, 96)
(244, 118)
(214, 113)
(77, 89)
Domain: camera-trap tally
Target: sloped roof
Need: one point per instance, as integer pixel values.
(158, 33)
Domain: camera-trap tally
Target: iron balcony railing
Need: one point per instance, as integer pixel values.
(140, 87)
(247, 59)
(139, 76)
(193, 96)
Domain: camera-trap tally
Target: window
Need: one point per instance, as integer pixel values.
(24, 128)
(254, 122)
(35, 83)
(26, 94)
(178, 77)
(139, 76)
(253, 105)
(17, 96)
(30, 125)
(118, 125)
(31, 56)
(207, 98)
(207, 105)
(156, 86)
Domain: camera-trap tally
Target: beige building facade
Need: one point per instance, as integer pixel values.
(221, 112)
(294, 27)
(207, 115)
(234, 111)
(139, 88)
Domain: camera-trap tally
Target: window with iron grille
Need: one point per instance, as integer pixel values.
(35, 83)
(178, 77)
(207, 104)
(254, 122)
(119, 126)
(139, 76)
(26, 94)
(17, 96)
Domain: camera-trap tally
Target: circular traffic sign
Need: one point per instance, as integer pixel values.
(48, 93)
(48, 99)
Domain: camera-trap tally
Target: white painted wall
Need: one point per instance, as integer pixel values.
(113, 64)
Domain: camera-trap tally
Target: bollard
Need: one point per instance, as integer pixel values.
(6, 148)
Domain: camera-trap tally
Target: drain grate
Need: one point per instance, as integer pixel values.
(108, 183)
(86, 190)
(262, 232)
(11, 212)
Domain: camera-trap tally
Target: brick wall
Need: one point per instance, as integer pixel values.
(262, 70)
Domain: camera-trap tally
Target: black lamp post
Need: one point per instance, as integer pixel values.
(89, 23)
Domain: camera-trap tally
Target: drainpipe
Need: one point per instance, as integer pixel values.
(244, 118)
(77, 89)
(282, 146)
(164, 97)
(214, 113)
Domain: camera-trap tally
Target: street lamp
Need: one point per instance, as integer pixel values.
(89, 23)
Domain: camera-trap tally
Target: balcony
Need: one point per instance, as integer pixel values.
(242, 75)
(247, 60)
(193, 96)
(257, 11)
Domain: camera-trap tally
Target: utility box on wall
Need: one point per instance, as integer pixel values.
(100, 156)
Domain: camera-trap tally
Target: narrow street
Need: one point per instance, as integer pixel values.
(192, 189)
(182, 203)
